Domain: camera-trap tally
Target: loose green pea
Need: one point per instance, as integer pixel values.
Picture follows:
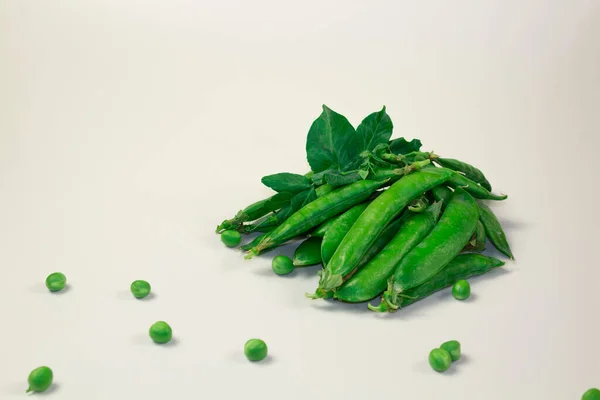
(56, 281)
(231, 238)
(592, 394)
(40, 379)
(461, 290)
(282, 265)
(453, 348)
(140, 289)
(440, 360)
(255, 350)
(161, 332)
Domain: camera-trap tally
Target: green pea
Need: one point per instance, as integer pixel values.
(453, 348)
(161, 332)
(56, 281)
(282, 265)
(140, 289)
(461, 290)
(440, 360)
(231, 238)
(592, 394)
(40, 379)
(255, 350)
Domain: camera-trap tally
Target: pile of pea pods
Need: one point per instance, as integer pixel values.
(383, 218)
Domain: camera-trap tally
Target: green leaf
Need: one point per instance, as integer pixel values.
(375, 129)
(401, 146)
(363, 173)
(332, 142)
(338, 179)
(278, 200)
(287, 182)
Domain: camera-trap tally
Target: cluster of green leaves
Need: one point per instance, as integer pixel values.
(338, 155)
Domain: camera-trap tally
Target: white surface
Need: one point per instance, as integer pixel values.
(129, 129)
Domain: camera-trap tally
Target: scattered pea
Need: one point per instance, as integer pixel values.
(255, 350)
(40, 379)
(453, 348)
(140, 289)
(592, 394)
(231, 238)
(56, 281)
(282, 265)
(161, 332)
(440, 360)
(461, 290)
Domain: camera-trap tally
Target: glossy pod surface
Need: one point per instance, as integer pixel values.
(371, 280)
(494, 230)
(317, 212)
(470, 171)
(477, 191)
(373, 220)
(336, 232)
(463, 266)
(445, 241)
(308, 253)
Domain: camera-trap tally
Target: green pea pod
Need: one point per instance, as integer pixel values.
(371, 280)
(382, 240)
(317, 212)
(322, 229)
(477, 191)
(494, 230)
(336, 232)
(444, 242)
(372, 221)
(442, 193)
(464, 266)
(477, 242)
(253, 243)
(470, 171)
(255, 211)
(324, 189)
(308, 253)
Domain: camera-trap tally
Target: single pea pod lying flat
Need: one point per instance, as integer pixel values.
(470, 171)
(477, 242)
(317, 212)
(255, 211)
(371, 280)
(373, 220)
(444, 242)
(494, 230)
(477, 191)
(308, 253)
(336, 232)
(463, 266)
(442, 193)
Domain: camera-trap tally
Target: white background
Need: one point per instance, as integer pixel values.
(129, 129)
